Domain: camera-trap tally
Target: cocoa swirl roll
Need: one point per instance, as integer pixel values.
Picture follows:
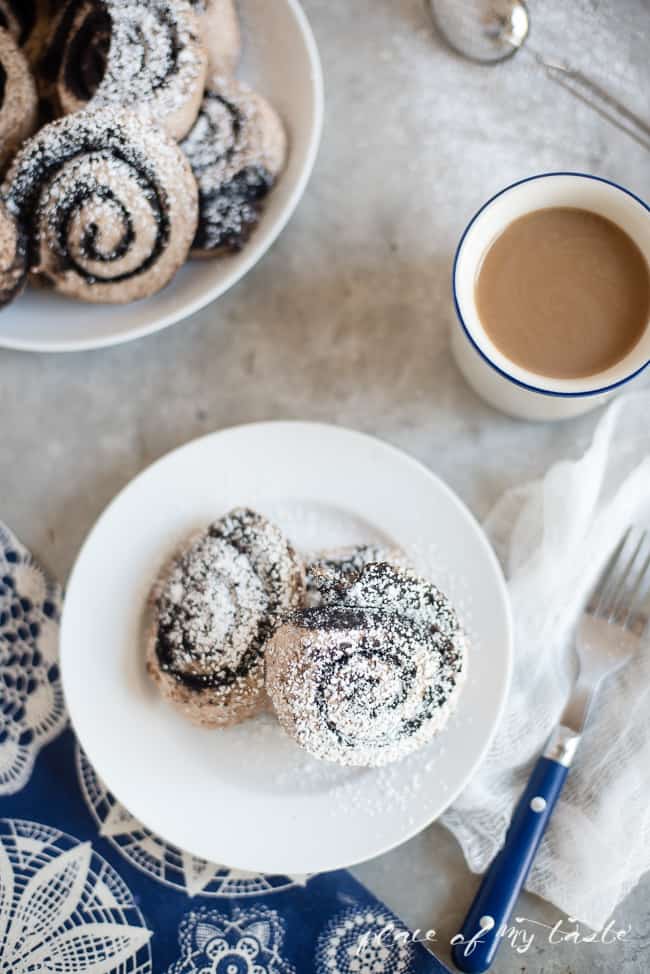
(109, 206)
(236, 148)
(364, 686)
(214, 608)
(13, 257)
(18, 99)
(146, 56)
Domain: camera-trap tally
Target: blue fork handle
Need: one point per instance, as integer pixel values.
(475, 947)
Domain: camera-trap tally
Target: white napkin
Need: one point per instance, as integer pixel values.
(553, 537)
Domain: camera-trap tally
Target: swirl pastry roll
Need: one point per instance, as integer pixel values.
(109, 206)
(332, 572)
(214, 607)
(13, 257)
(364, 686)
(236, 149)
(145, 56)
(220, 33)
(18, 100)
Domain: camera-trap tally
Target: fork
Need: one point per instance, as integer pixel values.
(608, 635)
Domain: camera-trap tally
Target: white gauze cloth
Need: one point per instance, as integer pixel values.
(553, 538)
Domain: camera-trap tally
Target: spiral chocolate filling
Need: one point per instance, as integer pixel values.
(3, 84)
(221, 601)
(216, 134)
(229, 205)
(271, 556)
(144, 56)
(156, 67)
(62, 220)
(227, 676)
(81, 45)
(176, 658)
(370, 677)
(235, 148)
(106, 203)
(212, 634)
(229, 214)
(382, 643)
(25, 199)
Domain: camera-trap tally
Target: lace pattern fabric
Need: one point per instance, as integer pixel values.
(31, 698)
(86, 888)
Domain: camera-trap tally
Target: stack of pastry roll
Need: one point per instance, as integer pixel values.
(156, 78)
(361, 659)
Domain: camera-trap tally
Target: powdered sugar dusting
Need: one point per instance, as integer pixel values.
(329, 571)
(154, 56)
(236, 148)
(110, 205)
(146, 57)
(210, 607)
(371, 676)
(222, 598)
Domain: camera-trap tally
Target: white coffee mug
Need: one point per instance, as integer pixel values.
(499, 381)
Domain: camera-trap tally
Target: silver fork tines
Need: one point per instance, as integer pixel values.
(610, 629)
(636, 594)
(617, 593)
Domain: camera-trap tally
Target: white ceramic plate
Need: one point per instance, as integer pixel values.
(248, 796)
(281, 61)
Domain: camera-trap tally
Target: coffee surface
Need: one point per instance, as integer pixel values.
(564, 292)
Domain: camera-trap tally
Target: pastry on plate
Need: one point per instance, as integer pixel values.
(236, 148)
(373, 677)
(18, 100)
(109, 205)
(214, 607)
(147, 57)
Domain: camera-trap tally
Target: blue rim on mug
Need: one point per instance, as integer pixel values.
(478, 349)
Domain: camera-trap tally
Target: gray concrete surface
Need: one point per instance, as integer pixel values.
(346, 321)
